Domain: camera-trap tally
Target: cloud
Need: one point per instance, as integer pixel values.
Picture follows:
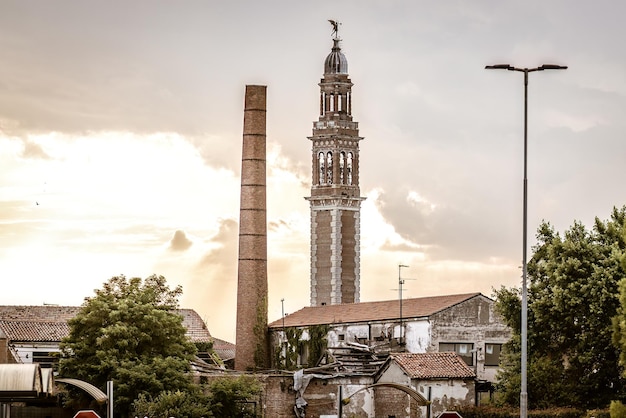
(33, 150)
(180, 242)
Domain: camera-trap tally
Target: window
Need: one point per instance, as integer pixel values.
(329, 168)
(465, 350)
(322, 171)
(342, 158)
(349, 168)
(492, 354)
(45, 359)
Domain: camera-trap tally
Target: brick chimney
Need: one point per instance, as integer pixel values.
(251, 339)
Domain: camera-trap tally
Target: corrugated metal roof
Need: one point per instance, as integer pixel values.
(371, 311)
(433, 365)
(93, 391)
(20, 378)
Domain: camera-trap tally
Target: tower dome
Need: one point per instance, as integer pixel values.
(336, 62)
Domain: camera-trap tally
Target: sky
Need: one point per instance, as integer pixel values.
(121, 131)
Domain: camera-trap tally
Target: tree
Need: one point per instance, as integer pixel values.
(572, 298)
(130, 333)
(173, 404)
(234, 397)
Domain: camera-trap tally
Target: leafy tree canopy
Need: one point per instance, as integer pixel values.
(572, 298)
(235, 397)
(129, 332)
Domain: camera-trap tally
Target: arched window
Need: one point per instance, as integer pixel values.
(320, 165)
(349, 168)
(329, 168)
(342, 161)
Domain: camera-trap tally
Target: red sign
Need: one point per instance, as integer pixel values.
(449, 414)
(86, 414)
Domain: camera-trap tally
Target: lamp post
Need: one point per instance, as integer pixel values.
(524, 336)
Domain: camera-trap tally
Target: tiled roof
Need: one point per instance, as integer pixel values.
(34, 331)
(433, 365)
(49, 323)
(371, 311)
(196, 328)
(224, 349)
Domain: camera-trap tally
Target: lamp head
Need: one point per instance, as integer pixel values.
(498, 67)
(553, 67)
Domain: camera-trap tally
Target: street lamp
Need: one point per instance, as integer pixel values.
(523, 390)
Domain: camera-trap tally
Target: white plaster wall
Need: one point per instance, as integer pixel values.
(362, 401)
(444, 394)
(394, 374)
(357, 331)
(417, 336)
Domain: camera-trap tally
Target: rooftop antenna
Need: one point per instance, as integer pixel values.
(400, 283)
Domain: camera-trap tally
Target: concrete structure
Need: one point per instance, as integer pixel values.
(335, 199)
(466, 324)
(251, 339)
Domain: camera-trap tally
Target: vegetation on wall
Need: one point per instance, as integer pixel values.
(286, 356)
(318, 341)
(260, 334)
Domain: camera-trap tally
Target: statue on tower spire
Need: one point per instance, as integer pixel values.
(335, 24)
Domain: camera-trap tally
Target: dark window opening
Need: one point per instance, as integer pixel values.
(492, 354)
(465, 350)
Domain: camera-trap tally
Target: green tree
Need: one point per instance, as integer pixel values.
(173, 404)
(234, 397)
(572, 298)
(130, 333)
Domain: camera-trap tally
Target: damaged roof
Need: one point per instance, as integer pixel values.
(371, 311)
(433, 365)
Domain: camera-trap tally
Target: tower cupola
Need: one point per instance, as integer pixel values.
(336, 62)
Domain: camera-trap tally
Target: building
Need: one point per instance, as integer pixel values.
(32, 334)
(335, 199)
(466, 324)
(443, 379)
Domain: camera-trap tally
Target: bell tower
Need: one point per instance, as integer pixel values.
(335, 199)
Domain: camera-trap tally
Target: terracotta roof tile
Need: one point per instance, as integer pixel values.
(49, 323)
(433, 365)
(37, 331)
(371, 311)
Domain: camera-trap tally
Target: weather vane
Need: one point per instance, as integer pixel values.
(335, 25)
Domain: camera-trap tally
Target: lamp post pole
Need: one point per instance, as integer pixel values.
(524, 324)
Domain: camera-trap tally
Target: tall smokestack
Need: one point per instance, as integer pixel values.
(251, 340)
